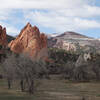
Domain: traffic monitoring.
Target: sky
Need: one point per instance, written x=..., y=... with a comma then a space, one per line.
x=52, y=16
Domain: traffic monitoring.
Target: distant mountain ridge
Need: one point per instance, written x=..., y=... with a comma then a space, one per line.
x=73, y=41
x=72, y=35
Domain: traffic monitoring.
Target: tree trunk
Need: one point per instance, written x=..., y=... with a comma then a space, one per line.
x=9, y=84
x=31, y=87
x=22, y=85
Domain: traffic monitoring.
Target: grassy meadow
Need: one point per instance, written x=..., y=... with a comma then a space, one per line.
x=54, y=89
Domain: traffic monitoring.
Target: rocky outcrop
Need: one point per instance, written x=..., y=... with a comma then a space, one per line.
x=30, y=42
x=3, y=36
x=61, y=44
x=68, y=46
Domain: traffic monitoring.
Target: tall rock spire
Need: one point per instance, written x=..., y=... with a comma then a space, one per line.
x=29, y=41
x=3, y=36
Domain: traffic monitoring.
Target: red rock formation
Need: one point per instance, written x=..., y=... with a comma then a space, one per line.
x=3, y=36
x=31, y=42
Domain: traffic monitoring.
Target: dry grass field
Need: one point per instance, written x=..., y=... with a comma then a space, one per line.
x=54, y=89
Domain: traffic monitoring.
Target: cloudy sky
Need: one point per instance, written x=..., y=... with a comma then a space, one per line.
x=52, y=16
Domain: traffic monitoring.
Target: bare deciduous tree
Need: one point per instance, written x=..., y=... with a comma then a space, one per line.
x=21, y=67
x=9, y=66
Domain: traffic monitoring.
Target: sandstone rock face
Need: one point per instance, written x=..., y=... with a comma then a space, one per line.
x=3, y=36
x=30, y=42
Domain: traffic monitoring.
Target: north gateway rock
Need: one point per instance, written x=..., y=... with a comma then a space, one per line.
x=30, y=42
